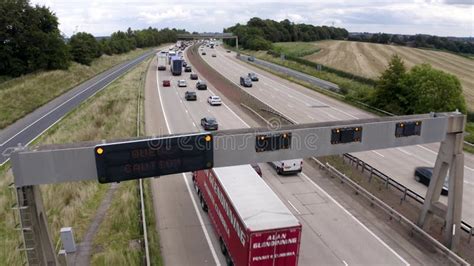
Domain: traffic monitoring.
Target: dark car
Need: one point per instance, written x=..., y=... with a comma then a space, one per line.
x=166, y=83
x=228, y=51
x=253, y=76
x=245, y=81
x=257, y=169
x=201, y=85
x=193, y=76
x=161, y=68
x=190, y=96
x=187, y=69
x=203, y=53
x=251, y=58
x=424, y=174
x=209, y=123
x=185, y=64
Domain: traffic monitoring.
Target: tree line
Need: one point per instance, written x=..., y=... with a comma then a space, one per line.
x=259, y=34
x=419, y=40
x=422, y=89
x=31, y=40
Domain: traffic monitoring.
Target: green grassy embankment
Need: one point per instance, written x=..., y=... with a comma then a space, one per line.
x=298, y=49
x=110, y=114
x=21, y=96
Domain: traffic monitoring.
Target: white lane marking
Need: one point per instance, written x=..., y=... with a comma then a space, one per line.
x=293, y=207
x=289, y=105
x=228, y=108
x=201, y=221
x=435, y=153
x=355, y=219
x=379, y=154
x=194, y=124
x=424, y=148
x=74, y=96
x=310, y=117
x=346, y=113
x=186, y=110
x=345, y=263
x=404, y=151
x=161, y=102
x=204, y=229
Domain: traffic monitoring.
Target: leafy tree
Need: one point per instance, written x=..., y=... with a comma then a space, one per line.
x=420, y=90
x=30, y=39
x=256, y=29
x=433, y=90
x=390, y=93
x=258, y=43
x=84, y=48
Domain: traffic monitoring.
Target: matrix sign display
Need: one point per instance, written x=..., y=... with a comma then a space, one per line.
x=153, y=157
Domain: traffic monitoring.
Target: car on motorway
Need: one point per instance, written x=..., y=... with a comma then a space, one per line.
x=214, y=100
x=193, y=76
x=228, y=51
x=190, y=96
x=187, y=69
x=201, y=85
x=161, y=67
x=182, y=83
x=185, y=63
x=424, y=174
x=203, y=53
x=166, y=83
x=209, y=123
x=252, y=76
x=213, y=55
x=257, y=169
x=251, y=58
x=245, y=81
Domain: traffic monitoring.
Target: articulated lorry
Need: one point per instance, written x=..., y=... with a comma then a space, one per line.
x=253, y=225
x=176, y=65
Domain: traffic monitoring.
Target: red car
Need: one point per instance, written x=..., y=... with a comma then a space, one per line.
x=166, y=83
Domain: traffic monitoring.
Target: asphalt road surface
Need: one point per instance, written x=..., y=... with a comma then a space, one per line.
x=27, y=129
x=303, y=106
x=331, y=235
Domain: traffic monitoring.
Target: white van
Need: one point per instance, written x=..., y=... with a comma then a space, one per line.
x=288, y=166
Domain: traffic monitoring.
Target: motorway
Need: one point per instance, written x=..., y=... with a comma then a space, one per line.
x=302, y=105
x=28, y=128
x=331, y=234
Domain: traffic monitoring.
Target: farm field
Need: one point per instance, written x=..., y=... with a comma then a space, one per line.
x=369, y=59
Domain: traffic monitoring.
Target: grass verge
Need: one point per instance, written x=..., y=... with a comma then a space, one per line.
x=297, y=49
x=110, y=114
x=20, y=96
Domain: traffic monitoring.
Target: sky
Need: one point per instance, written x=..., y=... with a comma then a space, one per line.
x=102, y=17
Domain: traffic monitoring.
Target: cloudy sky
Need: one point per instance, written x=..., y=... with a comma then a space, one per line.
x=102, y=17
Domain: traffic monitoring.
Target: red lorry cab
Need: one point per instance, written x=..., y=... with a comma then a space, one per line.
x=253, y=225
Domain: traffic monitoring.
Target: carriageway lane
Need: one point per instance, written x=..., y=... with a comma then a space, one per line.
x=398, y=163
x=327, y=227
x=181, y=226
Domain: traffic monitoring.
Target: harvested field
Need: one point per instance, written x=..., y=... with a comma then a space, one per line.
x=369, y=59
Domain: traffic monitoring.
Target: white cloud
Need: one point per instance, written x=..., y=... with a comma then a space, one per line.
x=101, y=17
